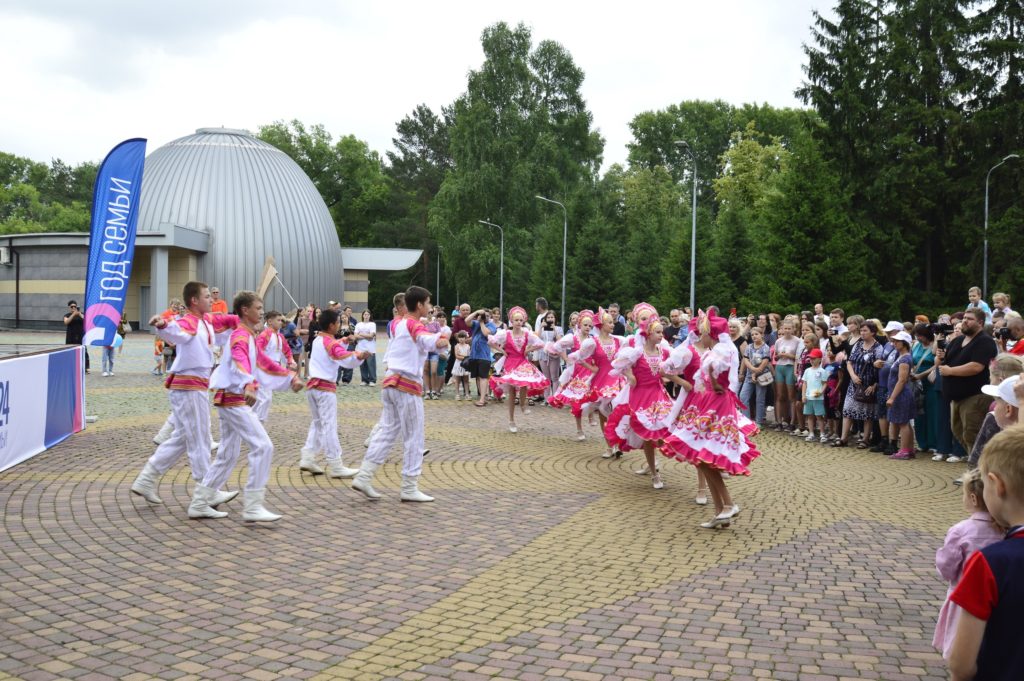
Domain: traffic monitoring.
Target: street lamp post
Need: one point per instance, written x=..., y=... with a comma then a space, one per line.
x=984, y=266
x=693, y=231
x=565, y=241
x=501, y=266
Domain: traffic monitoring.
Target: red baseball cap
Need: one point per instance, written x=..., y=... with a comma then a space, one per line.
x=815, y=354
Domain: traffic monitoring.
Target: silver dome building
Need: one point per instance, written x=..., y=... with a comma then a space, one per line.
x=246, y=200
x=215, y=205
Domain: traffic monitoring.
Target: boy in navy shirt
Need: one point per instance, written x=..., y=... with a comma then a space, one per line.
x=989, y=643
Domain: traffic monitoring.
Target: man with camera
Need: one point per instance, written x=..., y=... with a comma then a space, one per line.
x=480, y=356
x=1013, y=332
x=74, y=329
x=964, y=368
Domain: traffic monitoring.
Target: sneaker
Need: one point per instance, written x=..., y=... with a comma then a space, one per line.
x=512, y=427
x=373, y=383
x=810, y=438
x=458, y=397
x=939, y=457
x=580, y=437
x=902, y=455
x=105, y=373
x=824, y=439
x=954, y=459
x=155, y=372
x=110, y=373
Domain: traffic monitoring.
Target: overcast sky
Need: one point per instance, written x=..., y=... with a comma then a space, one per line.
x=82, y=76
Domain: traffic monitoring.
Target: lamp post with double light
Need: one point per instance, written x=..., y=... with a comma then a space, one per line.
x=565, y=241
x=501, y=266
x=984, y=266
x=681, y=144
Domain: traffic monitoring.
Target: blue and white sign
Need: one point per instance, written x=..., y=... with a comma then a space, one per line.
x=42, y=402
x=115, y=216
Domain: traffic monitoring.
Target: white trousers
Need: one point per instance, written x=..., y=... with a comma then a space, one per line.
x=323, y=428
x=190, y=410
x=402, y=416
x=238, y=424
x=173, y=423
x=264, y=398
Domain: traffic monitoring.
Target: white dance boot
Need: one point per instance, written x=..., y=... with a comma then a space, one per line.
x=336, y=469
x=145, y=485
x=254, y=511
x=200, y=506
x=164, y=434
x=220, y=497
x=411, y=490
x=307, y=462
x=363, y=481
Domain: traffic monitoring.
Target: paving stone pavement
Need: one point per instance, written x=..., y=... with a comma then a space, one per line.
x=539, y=559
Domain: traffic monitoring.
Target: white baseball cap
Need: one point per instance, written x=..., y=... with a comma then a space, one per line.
x=904, y=336
x=893, y=326
x=1004, y=391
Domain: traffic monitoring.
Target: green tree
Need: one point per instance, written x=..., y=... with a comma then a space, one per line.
x=35, y=197
x=347, y=173
x=812, y=249
x=521, y=129
x=844, y=78
x=750, y=169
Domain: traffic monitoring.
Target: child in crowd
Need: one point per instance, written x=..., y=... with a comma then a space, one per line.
x=430, y=365
x=326, y=357
x=1003, y=412
x=814, y=378
x=108, y=358
x=989, y=641
x=786, y=350
x=458, y=370
x=366, y=341
x=442, y=354
x=834, y=396
x=962, y=540
x=271, y=342
x=1001, y=302
x=158, y=357
x=974, y=300
x=810, y=341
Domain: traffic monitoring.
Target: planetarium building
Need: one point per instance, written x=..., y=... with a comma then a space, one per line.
x=215, y=206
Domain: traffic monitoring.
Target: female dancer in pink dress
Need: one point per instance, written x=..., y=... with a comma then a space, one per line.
x=710, y=431
x=641, y=313
x=518, y=371
x=605, y=385
x=640, y=423
x=575, y=380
